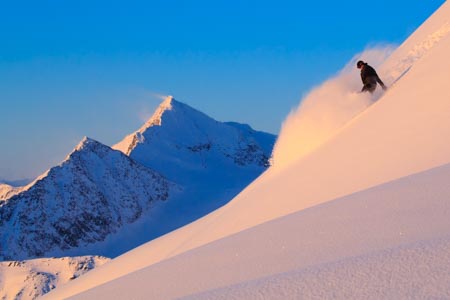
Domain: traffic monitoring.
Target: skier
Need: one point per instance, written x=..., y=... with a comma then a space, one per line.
x=369, y=77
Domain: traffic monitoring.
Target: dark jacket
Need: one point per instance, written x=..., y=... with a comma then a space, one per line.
x=370, y=78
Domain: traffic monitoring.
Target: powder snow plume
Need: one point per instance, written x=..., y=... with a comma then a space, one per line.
x=326, y=109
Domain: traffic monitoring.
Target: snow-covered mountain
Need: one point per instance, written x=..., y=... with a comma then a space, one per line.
x=186, y=145
x=365, y=214
x=81, y=207
x=20, y=280
x=93, y=193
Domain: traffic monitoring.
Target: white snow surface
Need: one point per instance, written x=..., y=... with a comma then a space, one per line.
x=360, y=228
x=369, y=204
x=418, y=271
x=30, y=279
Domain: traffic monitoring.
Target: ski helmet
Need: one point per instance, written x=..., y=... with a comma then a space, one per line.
x=359, y=64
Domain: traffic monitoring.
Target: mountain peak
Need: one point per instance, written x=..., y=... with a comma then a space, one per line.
x=88, y=145
x=166, y=105
x=86, y=142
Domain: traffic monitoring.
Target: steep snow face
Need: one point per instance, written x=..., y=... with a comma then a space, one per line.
x=186, y=145
x=326, y=109
x=329, y=107
x=22, y=280
x=403, y=133
x=93, y=193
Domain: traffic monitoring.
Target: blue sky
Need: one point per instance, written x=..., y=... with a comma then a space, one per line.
x=75, y=68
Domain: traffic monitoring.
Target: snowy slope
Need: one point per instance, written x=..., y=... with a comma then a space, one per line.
x=397, y=216
x=92, y=194
x=30, y=279
x=403, y=133
x=417, y=271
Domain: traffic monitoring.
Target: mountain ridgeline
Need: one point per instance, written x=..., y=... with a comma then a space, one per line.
x=181, y=164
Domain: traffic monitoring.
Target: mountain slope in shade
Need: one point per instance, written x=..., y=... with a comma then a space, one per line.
x=21, y=280
x=403, y=133
x=92, y=194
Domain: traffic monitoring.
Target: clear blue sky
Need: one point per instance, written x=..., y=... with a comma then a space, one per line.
x=75, y=68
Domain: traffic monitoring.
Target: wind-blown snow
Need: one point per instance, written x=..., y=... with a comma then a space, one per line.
x=330, y=106
x=326, y=109
x=286, y=220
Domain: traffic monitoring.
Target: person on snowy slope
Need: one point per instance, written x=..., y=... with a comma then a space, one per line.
x=369, y=77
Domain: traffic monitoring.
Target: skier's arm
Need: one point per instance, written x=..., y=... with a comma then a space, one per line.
x=381, y=83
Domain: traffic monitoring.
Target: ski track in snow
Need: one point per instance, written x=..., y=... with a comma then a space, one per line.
x=418, y=51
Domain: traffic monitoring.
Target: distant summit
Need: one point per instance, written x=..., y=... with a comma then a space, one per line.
x=179, y=140
x=157, y=115
x=91, y=194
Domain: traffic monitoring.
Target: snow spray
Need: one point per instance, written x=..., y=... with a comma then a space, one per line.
x=326, y=109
